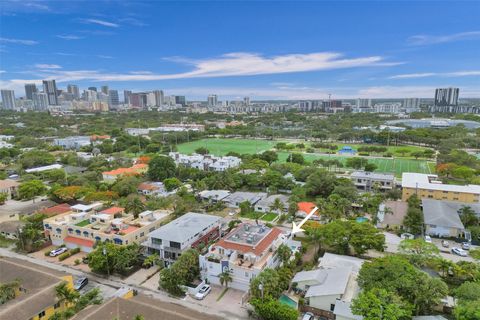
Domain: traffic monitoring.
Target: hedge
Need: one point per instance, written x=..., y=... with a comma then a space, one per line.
x=68, y=254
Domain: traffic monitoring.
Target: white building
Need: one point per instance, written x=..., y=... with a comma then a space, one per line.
x=205, y=162
x=235, y=199
x=74, y=142
x=264, y=205
x=387, y=107
x=367, y=181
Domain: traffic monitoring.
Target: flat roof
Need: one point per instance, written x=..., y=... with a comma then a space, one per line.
x=249, y=234
x=84, y=207
x=184, y=227
x=44, y=168
x=423, y=181
x=373, y=175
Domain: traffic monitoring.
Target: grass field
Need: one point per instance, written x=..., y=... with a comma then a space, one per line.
x=397, y=165
x=222, y=146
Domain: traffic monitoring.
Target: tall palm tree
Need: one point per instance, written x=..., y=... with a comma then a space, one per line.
x=8, y=291
x=277, y=206
x=135, y=206
x=66, y=294
x=225, y=278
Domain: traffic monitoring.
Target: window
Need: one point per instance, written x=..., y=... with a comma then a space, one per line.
x=246, y=274
x=175, y=245
x=332, y=307
x=156, y=241
x=41, y=314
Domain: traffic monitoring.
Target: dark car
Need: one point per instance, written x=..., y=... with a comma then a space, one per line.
x=80, y=283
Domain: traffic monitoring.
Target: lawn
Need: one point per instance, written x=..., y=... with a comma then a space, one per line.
x=269, y=216
x=396, y=165
x=5, y=243
x=83, y=223
x=223, y=146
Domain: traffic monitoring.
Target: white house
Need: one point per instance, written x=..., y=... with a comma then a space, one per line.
x=265, y=204
x=235, y=199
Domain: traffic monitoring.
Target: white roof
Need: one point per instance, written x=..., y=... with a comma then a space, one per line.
x=214, y=194
x=372, y=175
x=422, y=181
x=343, y=309
x=83, y=207
x=443, y=213
x=334, y=282
x=44, y=168
x=330, y=260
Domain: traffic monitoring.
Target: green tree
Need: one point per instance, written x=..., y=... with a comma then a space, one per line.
x=8, y=291
x=3, y=198
x=467, y=310
x=413, y=221
x=277, y=206
x=320, y=183
x=269, y=156
x=30, y=236
x=135, y=206
x=31, y=189
x=202, y=150
x=66, y=294
x=268, y=282
x=270, y=309
x=468, y=291
x=172, y=183
x=370, y=167
x=126, y=185
x=182, y=272
x=379, y=304
x=284, y=253
x=418, y=251
x=468, y=216
x=296, y=158
x=161, y=168
x=225, y=277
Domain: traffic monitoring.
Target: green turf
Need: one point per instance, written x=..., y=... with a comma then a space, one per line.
x=222, y=146
x=397, y=165
x=83, y=223
x=269, y=216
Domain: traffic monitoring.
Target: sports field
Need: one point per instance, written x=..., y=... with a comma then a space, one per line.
x=397, y=165
x=222, y=146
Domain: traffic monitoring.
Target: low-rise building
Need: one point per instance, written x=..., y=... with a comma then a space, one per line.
x=135, y=170
x=304, y=208
x=155, y=189
x=205, y=162
x=213, y=196
x=235, y=199
x=368, y=181
x=9, y=187
x=84, y=225
x=391, y=214
x=244, y=253
x=266, y=204
x=44, y=168
x=442, y=218
x=428, y=186
x=10, y=229
x=183, y=233
x=35, y=297
x=74, y=143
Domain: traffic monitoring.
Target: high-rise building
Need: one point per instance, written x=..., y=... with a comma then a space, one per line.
x=92, y=89
x=126, y=96
x=89, y=95
x=104, y=89
x=212, y=100
x=364, y=103
x=138, y=100
x=113, y=99
x=246, y=101
x=446, y=97
x=74, y=91
x=411, y=105
x=30, y=89
x=50, y=88
x=332, y=106
x=40, y=101
x=159, y=98
x=180, y=100
x=8, y=99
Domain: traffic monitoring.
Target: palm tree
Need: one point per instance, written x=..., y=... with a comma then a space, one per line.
x=8, y=291
x=66, y=294
x=277, y=206
x=444, y=265
x=225, y=278
x=135, y=206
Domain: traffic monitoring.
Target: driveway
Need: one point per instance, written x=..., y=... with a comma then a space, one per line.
x=229, y=304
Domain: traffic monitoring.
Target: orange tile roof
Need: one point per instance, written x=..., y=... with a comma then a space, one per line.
x=147, y=186
x=306, y=207
x=132, y=170
x=113, y=210
x=139, y=166
x=99, y=137
x=129, y=229
x=58, y=209
x=79, y=241
x=245, y=248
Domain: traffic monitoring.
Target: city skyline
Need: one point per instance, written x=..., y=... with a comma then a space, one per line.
x=287, y=51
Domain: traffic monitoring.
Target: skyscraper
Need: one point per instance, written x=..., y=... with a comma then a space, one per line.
x=40, y=101
x=30, y=89
x=50, y=88
x=411, y=105
x=73, y=89
x=159, y=98
x=8, y=99
x=126, y=96
x=92, y=89
x=104, y=89
x=212, y=100
x=246, y=101
x=446, y=97
x=180, y=100
x=113, y=99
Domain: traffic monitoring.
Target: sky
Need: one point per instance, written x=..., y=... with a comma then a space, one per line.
x=262, y=49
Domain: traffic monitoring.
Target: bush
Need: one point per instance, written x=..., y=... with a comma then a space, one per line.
x=77, y=262
x=47, y=253
x=64, y=256
x=74, y=251
x=363, y=154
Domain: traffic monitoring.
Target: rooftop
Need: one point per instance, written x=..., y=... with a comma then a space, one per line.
x=186, y=226
x=112, y=210
x=444, y=213
x=372, y=175
x=430, y=181
x=7, y=183
x=58, y=209
x=328, y=281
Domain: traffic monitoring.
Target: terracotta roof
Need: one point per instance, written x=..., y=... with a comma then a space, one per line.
x=58, y=209
x=147, y=186
x=130, y=229
x=8, y=184
x=113, y=210
x=132, y=170
x=306, y=207
x=99, y=137
x=139, y=166
x=245, y=248
x=79, y=241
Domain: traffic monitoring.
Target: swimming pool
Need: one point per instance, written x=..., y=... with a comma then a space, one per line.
x=361, y=219
x=288, y=301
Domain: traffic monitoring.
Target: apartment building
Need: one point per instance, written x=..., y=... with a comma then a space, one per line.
x=189, y=231
x=205, y=162
x=84, y=225
x=367, y=181
x=428, y=186
x=244, y=253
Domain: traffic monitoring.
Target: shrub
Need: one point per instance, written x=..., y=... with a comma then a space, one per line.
x=74, y=251
x=77, y=262
x=47, y=253
x=363, y=154
x=64, y=256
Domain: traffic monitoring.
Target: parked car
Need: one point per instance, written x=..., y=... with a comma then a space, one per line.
x=308, y=316
x=445, y=244
x=428, y=239
x=459, y=252
x=203, y=292
x=407, y=236
x=466, y=246
x=58, y=251
x=80, y=283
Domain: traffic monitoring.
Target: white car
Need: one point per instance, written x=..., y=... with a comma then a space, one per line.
x=466, y=246
x=202, y=293
x=459, y=252
x=407, y=236
x=308, y=316
x=57, y=252
x=428, y=239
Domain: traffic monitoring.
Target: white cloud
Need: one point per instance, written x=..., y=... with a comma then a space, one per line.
x=47, y=66
x=101, y=23
x=467, y=73
x=423, y=39
x=68, y=37
x=104, y=56
x=19, y=41
x=2, y=71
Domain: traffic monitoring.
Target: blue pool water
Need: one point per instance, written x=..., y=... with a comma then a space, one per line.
x=288, y=301
x=361, y=219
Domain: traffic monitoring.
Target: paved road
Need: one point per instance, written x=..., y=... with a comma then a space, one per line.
x=111, y=285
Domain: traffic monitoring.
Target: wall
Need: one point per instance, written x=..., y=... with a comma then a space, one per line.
x=440, y=195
